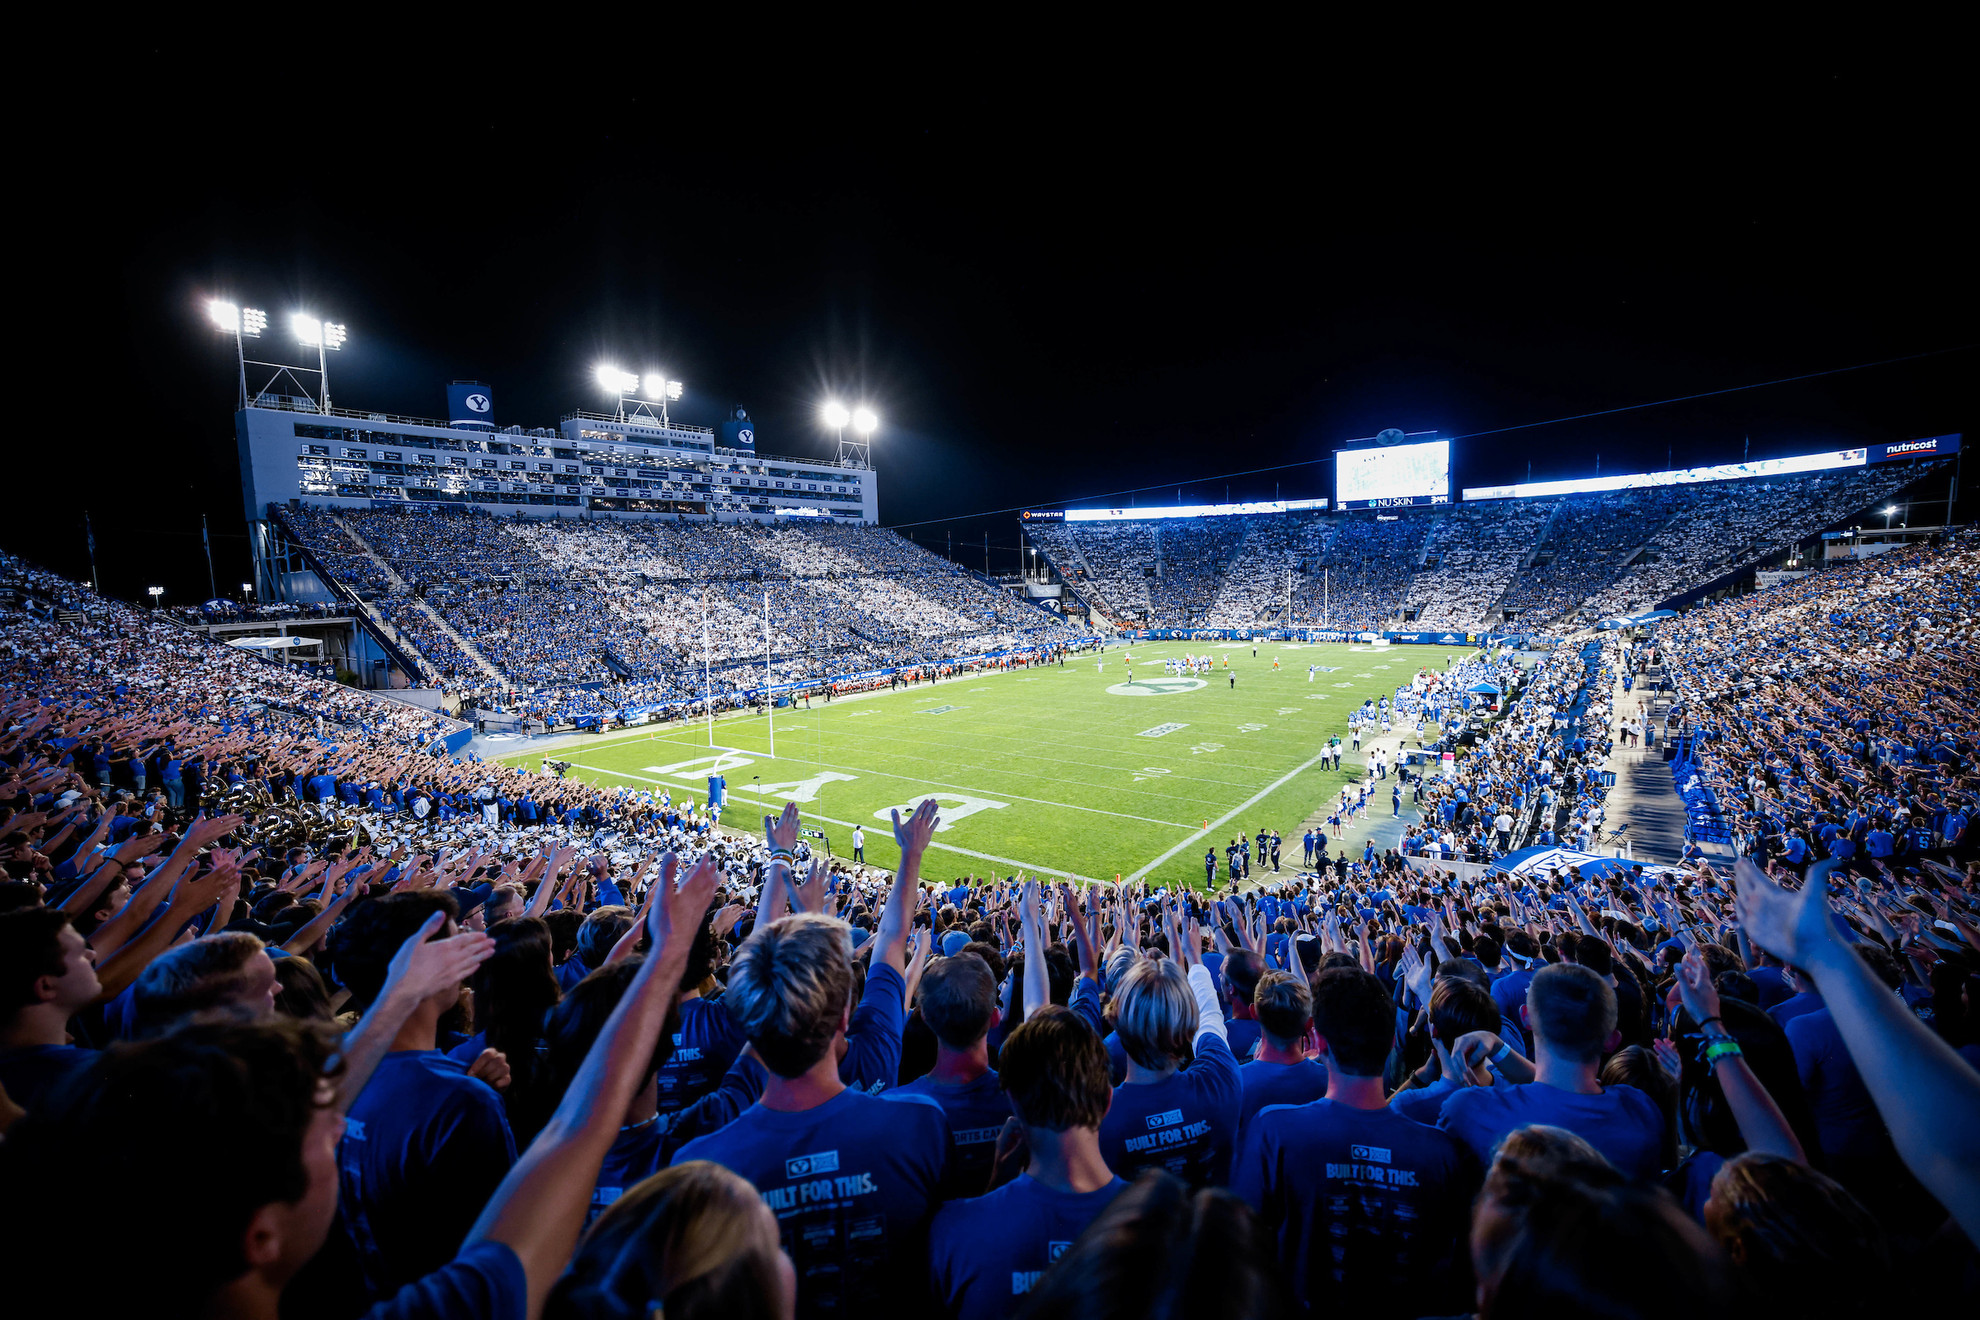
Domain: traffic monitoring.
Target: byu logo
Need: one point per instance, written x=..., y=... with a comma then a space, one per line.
x=803, y=1166
x=476, y=402
x=745, y=436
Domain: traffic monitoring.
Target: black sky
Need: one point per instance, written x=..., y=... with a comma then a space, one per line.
x=1165, y=278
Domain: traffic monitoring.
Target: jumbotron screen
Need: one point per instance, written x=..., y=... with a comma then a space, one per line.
x=1386, y=478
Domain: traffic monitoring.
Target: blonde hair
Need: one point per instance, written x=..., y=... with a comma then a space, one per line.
x=694, y=1239
x=1157, y=1018
x=789, y=987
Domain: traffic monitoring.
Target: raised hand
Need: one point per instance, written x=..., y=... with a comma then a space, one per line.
x=782, y=831
x=1695, y=989
x=1794, y=926
x=492, y=1067
x=913, y=834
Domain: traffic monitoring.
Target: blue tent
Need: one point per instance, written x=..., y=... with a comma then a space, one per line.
x=1483, y=687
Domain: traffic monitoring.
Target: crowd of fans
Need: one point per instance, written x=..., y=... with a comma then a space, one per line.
x=328, y=1024
x=1536, y=564
x=558, y=619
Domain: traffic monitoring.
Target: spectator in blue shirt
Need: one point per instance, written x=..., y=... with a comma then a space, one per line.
x=985, y=1254
x=1571, y=1013
x=1286, y=1071
x=958, y=1000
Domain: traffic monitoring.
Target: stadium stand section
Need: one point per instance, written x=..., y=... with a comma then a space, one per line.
x=1532, y=564
x=544, y=608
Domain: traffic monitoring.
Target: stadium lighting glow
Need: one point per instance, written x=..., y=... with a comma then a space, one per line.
x=836, y=416
x=247, y=321
x=308, y=329
x=333, y=335
x=656, y=384
x=1146, y=512
x=618, y=382
x=864, y=421
x=673, y=389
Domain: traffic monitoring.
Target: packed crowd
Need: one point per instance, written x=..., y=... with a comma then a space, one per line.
x=563, y=609
x=1835, y=715
x=339, y=1026
x=1543, y=562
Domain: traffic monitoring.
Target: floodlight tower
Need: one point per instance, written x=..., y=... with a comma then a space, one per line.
x=852, y=453
x=624, y=386
x=245, y=323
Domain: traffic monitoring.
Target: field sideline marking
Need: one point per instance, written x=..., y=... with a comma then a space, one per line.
x=1231, y=815
x=830, y=820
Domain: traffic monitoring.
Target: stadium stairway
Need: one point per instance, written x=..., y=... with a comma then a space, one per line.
x=1644, y=795
x=399, y=587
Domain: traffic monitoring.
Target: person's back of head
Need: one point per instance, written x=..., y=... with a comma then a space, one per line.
x=505, y=903
x=1061, y=971
x=564, y=924
x=1459, y=1006
x=1595, y=954
x=603, y=929
x=1799, y=1238
x=301, y=991
x=790, y=990
x=225, y=971
x=1162, y=1252
x=369, y=937
x=1355, y=1016
x=1284, y=1008
x=1622, y=1251
x=1241, y=971
x=1158, y=1015
x=1055, y=1071
x=693, y=1242
x=990, y=956
x=201, y=1131
x=1572, y=1011
x=958, y=1000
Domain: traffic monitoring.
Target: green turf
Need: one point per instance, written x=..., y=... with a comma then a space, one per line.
x=1043, y=770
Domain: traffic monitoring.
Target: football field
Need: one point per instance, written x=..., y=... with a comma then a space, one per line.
x=1054, y=771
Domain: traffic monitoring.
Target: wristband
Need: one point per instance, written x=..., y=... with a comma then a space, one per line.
x=1726, y=1048
x=1502, y=1053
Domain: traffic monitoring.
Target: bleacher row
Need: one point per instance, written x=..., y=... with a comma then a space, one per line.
x=1536, y=563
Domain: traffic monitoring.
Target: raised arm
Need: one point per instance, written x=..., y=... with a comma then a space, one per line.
x=1760, y=1120
x=540, y=1207
x=1925, y=1092
x=890, y=941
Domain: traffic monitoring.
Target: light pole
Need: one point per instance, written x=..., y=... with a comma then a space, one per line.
x=863, y=420
x=623, y=385
x=326, y=337
x=155, y=593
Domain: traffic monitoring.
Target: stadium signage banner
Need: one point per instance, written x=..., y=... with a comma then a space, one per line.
x=1042, y=515
x=470, y=404
x=1433, y=638
x=1235, y=635
x=1930, y=447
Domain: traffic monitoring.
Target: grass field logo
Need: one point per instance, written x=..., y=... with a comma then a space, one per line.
x=938, y=710
x=1156, y=687
x=1160, y=729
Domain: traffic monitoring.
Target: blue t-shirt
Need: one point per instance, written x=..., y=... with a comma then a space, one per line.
x=707, y=1043
x=634, y=1157
x=976, y=1112
x=1368, y=1209
x=873, y=1037
x=1622, y=1123
x=1186, y=1123
x=1242, y=1035
x=424, y=1147
x=484, y=1282
x=853, y=1183
x=1279, y=1084
x=30, y=1074
x=987, y=1252
x=1845, y=1116
x=1808, y=1001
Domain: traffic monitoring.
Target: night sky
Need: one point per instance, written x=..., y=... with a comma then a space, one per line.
x=1043, y=300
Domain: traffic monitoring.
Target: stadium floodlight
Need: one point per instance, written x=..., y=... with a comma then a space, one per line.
x=673, y=390
x=618, y=382
x=835, y=415
x=864, y=421
x=253, y=322
x=225, y=316
x=333, y=335
x=308, y=329
x=156, y=592
x=656, y=384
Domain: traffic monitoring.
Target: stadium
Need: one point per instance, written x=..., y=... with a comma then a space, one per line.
x=1148, y=808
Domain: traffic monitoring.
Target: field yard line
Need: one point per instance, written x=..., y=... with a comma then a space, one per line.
x=875, y=735
x=1230, y=815
x=960, y=788
x=832, y=820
